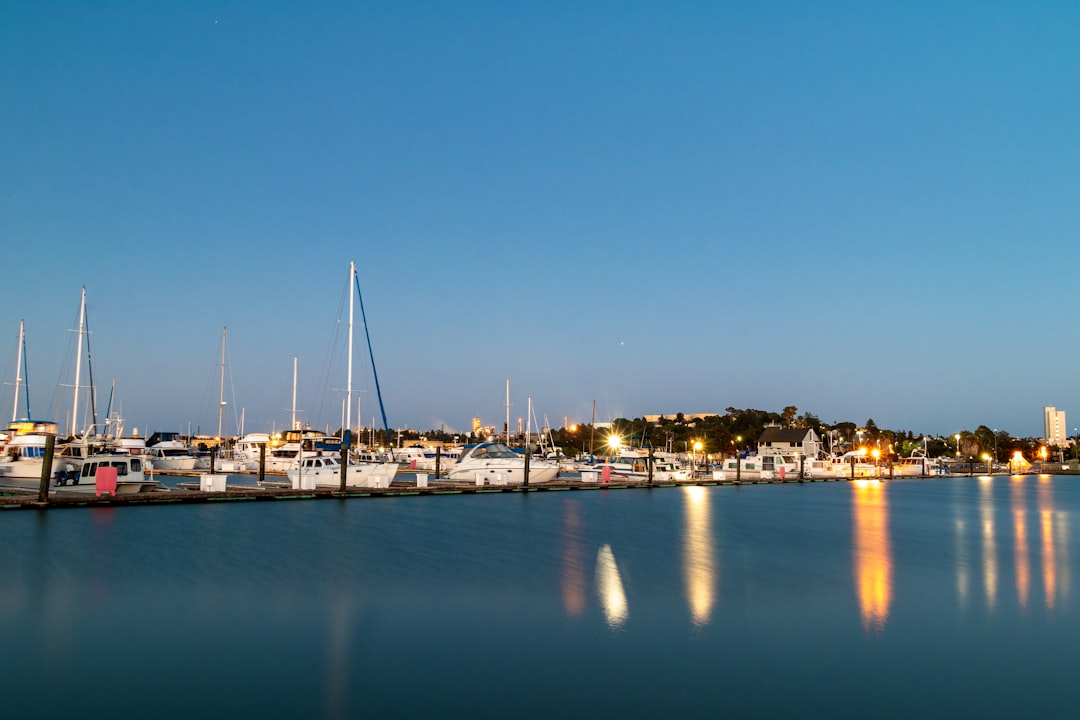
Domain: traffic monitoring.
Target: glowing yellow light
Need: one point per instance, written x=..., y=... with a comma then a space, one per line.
x=876, y=453
x=614, y=442
x=573, y=428
x=697, y=446
x=862, y=451
x=986, y=457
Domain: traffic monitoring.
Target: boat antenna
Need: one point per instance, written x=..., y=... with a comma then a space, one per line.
x=371, y=354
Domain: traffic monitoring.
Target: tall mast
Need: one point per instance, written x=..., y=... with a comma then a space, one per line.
x=221, y=390
x=18, y=373
x=528, y=421
x=348, y=386
x=293, y=426
x=508, y=411
x=78, y=362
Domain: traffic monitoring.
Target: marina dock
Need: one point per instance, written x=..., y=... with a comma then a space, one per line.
x=188, y=493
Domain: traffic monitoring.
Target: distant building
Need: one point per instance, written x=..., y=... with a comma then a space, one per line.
x=686, y=416
x=1054, y=426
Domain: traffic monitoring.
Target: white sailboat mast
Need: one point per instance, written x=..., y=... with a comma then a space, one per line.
x=528, y=422
x=293, y=425
x=508, y=411
x=348, y=386
x=78, y=361
x=221, y=387
x=18, y=371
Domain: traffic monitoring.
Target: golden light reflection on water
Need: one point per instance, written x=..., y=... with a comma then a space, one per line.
x=873, y=553
x=989, y=545
x=573, y=561
x=610, y=589
x=962, y=579
x=1020, y=541
x=699, y=559
x=1048, y=542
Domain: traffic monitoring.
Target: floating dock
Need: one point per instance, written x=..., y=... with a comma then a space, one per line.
x=189, y=493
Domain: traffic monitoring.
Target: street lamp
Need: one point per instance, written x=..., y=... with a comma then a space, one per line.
x=986, y=457
x=957, y=436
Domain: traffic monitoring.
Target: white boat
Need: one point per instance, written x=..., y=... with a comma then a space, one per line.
x=917, y=465
x=165, y=451
x=325, y=471
x=634, y=465
x=24, y=456
x=850, y=464
x=130, y=472
x=493, y=463
x=766, y=466
x=287, y=448
x=244, y=456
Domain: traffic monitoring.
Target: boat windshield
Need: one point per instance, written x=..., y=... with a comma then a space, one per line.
x=494, y=451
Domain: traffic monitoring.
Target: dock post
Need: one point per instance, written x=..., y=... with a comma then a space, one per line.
x=528, y=451
x=46, y=468
x=738, y=467
x=438, y=456
x=802, y=468
x=213, y=456
x=344, y=460
x=262, y=463
x=650, y=465
x=852, y=467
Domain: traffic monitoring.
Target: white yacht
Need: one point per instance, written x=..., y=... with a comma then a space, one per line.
x=325, y=471
x=130, y=475
x=634, y=465
x=169, y=453
x=493, y=463
x=767, y=466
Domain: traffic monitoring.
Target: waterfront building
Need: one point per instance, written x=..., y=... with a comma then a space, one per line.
x=1054, y=426
x=789, y=441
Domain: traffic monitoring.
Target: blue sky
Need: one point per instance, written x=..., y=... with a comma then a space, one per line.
x=866, y=210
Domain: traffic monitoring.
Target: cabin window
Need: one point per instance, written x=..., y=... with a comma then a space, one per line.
x=136, y=466
x=88, y=469
x=121, y=468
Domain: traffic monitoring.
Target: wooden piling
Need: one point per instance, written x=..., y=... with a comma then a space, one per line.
x=528, y=452
x=262, y=463
x=650, y=465
x=46, y=468
x=344, y=460
x=438, y=456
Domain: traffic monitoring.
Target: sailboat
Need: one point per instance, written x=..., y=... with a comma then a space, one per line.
x=327, y=470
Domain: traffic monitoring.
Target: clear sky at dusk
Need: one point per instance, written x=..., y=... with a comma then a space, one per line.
x=864, y=209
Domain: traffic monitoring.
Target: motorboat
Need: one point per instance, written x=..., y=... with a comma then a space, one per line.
x=287, y=449
x=764, y=466
x=244, y=456
x=494, y=463
x=325, y=471
x=131, y=475
x=918, y=465
x=24, y=455
x=634, y=465
x=165, y=451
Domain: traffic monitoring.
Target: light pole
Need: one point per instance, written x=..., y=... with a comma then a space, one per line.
x=957, y=436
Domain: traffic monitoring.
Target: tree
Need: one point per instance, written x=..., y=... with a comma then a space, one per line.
x=789, y=414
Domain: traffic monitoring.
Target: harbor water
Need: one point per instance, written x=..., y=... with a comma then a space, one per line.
x=950, y=597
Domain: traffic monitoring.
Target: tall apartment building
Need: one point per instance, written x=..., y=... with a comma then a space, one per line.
x=1054, y=426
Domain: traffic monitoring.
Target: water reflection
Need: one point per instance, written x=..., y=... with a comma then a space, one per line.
x=573, y=562
x=989, y=544
x=610, y=589
x=962, y=579
x=873, y=553
x=1020, y=540
x=699, y=563
x=1053, y=532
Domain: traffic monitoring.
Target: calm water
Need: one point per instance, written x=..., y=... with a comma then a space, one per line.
x=933, y=598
